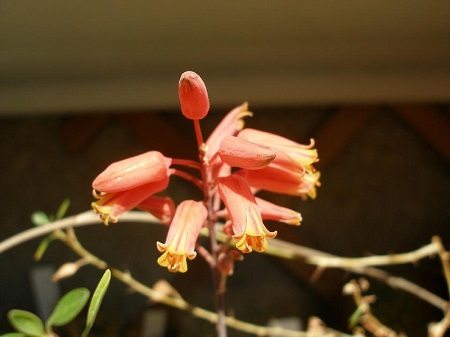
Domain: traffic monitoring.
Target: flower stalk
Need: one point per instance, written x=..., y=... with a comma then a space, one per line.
x=233, y=164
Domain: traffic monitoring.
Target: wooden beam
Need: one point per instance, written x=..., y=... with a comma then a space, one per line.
x=76, y=132
x=430, y=123
x=339, y=130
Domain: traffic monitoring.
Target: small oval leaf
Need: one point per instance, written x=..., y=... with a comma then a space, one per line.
x=14, y=334
x=96, y=301
x=26, y=322
x=68, y=307
x=40, y=218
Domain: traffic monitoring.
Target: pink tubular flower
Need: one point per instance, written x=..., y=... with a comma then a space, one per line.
x=161, y=207
x=129, y=182
x=193, y=96
x=189, y=218
x=132, y=172
x=112, y=205
x=241, y=153
x=230, y=125
x=304, y=155
x=282, y=182
x=270, y=211
x=248, y=228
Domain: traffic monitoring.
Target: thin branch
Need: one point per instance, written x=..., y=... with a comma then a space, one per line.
x=376, y=260
x=178, y=302
x=83, y=219
x=277, y=248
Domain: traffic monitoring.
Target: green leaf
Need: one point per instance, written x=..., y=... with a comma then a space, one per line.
x=42, y=248
x=354, y=318
x=14, y=334
x=26, y=322
x=39, y=218
x=68, y=307
x=96, y=301
x=62, y=209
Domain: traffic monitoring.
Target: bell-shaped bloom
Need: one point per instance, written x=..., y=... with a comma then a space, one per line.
x=193, y=96
x=238, y=152
x=248, y=228
x=132, y=172
x=304, y=155
x=230, y=125
x=283, y=182
x=127, y=183
x=189, y=218
x=112, y=205
x=161, y=207
x=271, y=211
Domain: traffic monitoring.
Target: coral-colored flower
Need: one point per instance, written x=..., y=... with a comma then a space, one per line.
x=193, y=96
x=189, y=218
x=132, y=172
x=283, y=182
x=127, y=183
x=291, y=172
x=248, y=228
x=231, y=124
x=304, y=155
x=270, y=211
x=112, y=205
x=238, y=152
x=161, y=207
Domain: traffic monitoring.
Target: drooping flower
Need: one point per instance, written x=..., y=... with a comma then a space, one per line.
x=291, y=172
x=241, y=153
x=161, y=207
x=230, y=125
x=304, y=155
x=112, y=205
x=125, y=184
x=248, y=228
x=271, y=211
x=278, y=181
x=189, y=218
x=193, y=96
x=132, y=172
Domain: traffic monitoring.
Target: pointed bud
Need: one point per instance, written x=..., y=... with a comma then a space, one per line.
x=241, y=153
x=193, y=96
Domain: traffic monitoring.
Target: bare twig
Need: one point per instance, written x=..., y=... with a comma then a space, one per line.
x=177, y=301
x=277, y=248
x=376, y=260
x=366, y=317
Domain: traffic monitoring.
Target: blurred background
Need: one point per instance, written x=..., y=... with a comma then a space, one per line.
x=83, y=84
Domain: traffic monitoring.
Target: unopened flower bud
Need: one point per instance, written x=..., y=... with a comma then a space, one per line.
x=193, y=96
x=241, y=153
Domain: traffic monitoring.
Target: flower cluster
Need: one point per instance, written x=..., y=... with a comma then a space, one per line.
x=234, y=164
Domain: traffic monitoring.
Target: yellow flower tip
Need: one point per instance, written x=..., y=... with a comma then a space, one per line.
x=295, y=221
x=104, y=213
x=173, y=262
x=247, y=243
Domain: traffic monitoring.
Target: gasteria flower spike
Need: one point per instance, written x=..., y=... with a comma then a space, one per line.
x=234, y=163
x=193, y=96
x=189, y=218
